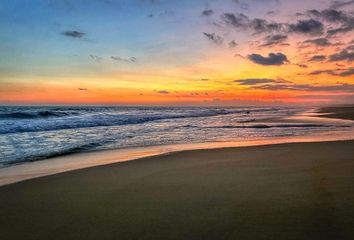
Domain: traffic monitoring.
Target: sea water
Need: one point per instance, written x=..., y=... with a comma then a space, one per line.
x=36, y=133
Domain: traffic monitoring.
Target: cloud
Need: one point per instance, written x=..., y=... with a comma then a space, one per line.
x=207, y=12
x=281, y=84
x=336, y=21
x=274, y=39
x=162, y=91
x=272, y=59
x=73, y=34
x=240, y=56
x=347, y=73
x=214, y=38
x=342, y=56
x=82, y=89
x=261, y=25
x=241, y=21
x=272, y=13
x=329, y=15
x=339, y=22
x=335, y=72
x=95, y=58
x=344, y=87
x=302, y=65
x=350, y=47
x=332, y=15
x=164, y=13
x=345, y=20
x=317, y=58
x=243, y=5
x=128, y=60
x=309, y=26
x=322, y=42
x=339, y=4
x=317, y=72
x=232, y=44
x=343, y=29
x=256, y=81
x=238, y=21
x=298, y=14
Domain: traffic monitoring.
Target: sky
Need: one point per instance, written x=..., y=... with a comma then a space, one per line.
x=169, y=52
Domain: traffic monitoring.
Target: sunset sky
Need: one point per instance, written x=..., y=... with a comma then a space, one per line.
x=165, y=52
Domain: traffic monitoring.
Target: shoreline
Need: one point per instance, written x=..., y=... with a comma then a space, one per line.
x=71, y=162
x=346, y=113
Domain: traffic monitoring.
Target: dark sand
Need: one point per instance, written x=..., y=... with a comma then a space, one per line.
x=338, y=112
x=286, y=191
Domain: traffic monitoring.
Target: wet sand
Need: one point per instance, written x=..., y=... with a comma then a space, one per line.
x=346, y=112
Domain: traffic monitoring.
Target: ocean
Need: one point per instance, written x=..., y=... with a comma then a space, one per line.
x=32, y=133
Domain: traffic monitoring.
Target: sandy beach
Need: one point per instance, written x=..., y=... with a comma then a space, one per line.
x=279, y=191
x=286, y=191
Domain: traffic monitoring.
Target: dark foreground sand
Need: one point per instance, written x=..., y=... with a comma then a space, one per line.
x=287, y=191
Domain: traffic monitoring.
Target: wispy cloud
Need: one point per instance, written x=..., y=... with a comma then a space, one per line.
x=127, y=60
x=232, y=44
x=214, y=38
x=73, y=34
x=306, y=87
x=257, y=25
x=335, y=72
x=317, y=58
x=95, y=58
x=349, y=72
x=343, y=55
x=162, y=91
x=271, y=40
x=256, y=81
x=321, y=42
x=339, y=4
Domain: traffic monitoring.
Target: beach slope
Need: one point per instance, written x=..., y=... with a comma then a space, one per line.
x=284, y=191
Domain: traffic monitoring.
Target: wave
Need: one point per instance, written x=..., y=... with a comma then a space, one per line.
x=61, y=152
x=269, y=126
x=28, y=122
x=37, y=114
